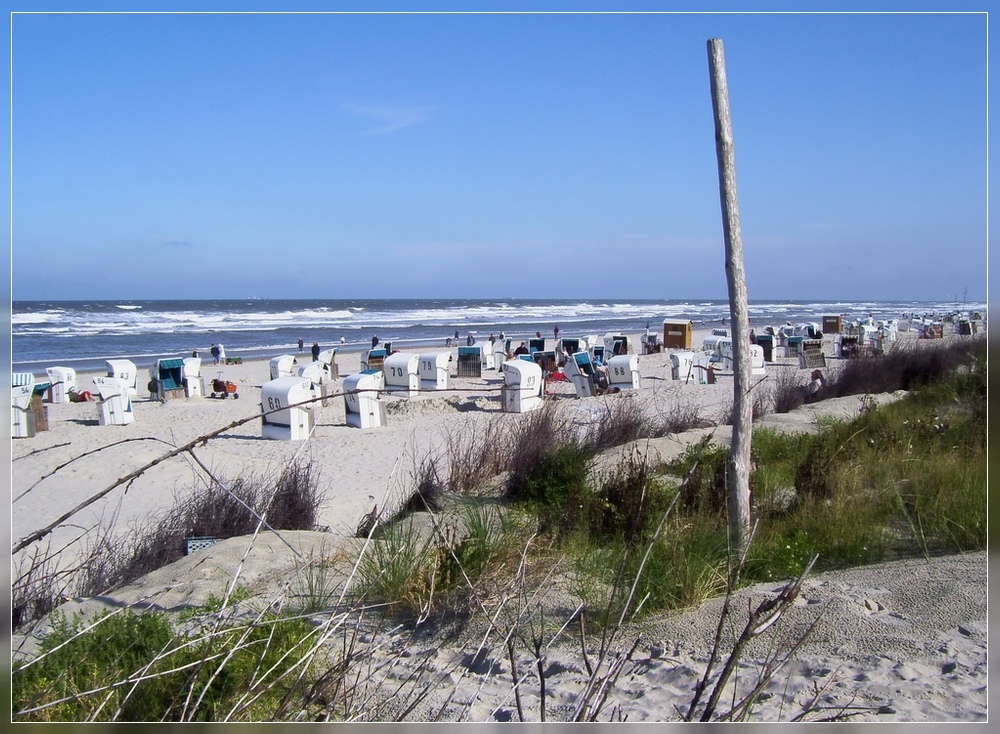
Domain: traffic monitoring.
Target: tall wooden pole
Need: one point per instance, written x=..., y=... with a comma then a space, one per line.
x=738, y=467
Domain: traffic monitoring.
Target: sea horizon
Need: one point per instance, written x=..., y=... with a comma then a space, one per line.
x=84, y=333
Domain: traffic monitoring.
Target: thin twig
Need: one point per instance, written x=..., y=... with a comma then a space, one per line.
x=515, y=679
x=766, y=614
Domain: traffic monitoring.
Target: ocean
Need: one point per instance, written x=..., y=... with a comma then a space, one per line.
x=83, y=334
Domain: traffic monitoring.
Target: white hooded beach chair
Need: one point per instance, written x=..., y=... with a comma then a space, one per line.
x=125, y=370
x=362, y=406
x=725, y=348
x=808, y=330
x=402, y=377
x=321, y=374
x=702, y=368
x=62, y=379
x=22, y=386
x=194, y=385
x=690, y=367
x=623, y=372
x=615, y=344
x=489, y=357
x=711, y=342
x=283, y=366
x=522, y=388
x=680, y=365
x=723, y=352
x=501, y=348
x=433, y=370
x=114, y=408
x=329, y=356
x=283, y=418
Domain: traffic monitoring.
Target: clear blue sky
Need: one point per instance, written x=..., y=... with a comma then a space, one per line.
x=466, y=155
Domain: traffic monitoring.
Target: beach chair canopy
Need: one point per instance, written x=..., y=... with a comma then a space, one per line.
x=22, y=379
x=582, y=360
x=123, y=369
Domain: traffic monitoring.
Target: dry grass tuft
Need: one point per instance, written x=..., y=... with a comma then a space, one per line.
x=219, y=509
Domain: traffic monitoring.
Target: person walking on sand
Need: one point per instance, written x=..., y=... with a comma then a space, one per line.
x=215, y=354
x=555, y=332
x=300, y=345
x=222, y=354
x=374, y=340
x=315, y=351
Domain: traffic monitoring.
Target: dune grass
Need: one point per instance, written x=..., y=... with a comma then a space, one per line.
x=898, y=480
x=136, y=667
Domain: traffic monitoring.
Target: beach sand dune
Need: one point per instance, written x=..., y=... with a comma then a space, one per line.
x=905, y=640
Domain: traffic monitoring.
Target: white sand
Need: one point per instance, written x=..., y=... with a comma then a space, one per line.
x=909, y=636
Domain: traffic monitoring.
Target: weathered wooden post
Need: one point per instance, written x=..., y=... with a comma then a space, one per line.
x=738, y=468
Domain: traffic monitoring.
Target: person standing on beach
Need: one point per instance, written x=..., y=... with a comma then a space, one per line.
x=300, y=345
x=215, y=354
x=315, y=351
x=374, y=340
x=222, y=354
x=555, y=332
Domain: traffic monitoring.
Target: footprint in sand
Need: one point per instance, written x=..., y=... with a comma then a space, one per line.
x=873, y=606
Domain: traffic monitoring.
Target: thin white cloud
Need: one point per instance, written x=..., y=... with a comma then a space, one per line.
x=389, y=118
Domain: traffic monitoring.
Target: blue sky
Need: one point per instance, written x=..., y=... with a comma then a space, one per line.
x=494, y=155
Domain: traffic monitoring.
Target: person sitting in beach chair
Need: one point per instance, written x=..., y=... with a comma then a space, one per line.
x=816, y=387
x=601, y=379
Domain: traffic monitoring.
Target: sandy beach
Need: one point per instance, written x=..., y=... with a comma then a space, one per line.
x=904, y=641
